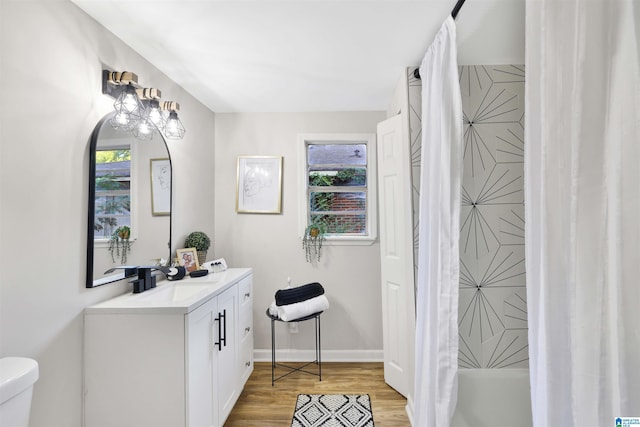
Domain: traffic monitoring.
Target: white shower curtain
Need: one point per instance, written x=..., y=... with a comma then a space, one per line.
x=438, y=256
x=582, y=198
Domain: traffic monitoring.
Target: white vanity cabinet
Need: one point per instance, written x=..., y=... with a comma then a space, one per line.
x=174, y=356
x=245, y=329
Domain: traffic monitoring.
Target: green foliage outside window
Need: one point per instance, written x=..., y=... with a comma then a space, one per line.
x=110, y=156
x=112, y=198
x=349, y=176
x=109, y=205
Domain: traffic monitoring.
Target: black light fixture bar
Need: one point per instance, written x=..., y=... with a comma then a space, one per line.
x=114, y=81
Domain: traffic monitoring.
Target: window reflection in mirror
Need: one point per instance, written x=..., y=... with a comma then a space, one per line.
x=120, y=194
x=113, y=191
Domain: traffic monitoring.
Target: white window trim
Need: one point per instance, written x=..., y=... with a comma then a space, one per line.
x=372, y=178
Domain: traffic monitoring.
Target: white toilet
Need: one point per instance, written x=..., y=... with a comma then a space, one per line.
x=17, y=376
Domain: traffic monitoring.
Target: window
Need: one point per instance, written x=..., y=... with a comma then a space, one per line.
x=113, y=191
x=339, y=190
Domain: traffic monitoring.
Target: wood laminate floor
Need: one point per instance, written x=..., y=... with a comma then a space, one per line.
x=261, y=405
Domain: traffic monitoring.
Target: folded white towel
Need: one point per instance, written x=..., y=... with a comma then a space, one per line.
x=300, y=309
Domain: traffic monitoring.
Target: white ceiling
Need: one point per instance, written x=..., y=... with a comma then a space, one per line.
x=303, y=55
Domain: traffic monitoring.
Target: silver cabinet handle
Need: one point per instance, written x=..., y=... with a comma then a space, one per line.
x=247, y=329
x=248, y=364
x=247, y=295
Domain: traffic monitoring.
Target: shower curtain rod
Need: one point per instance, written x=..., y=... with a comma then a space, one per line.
x=454, y=13
x=457, y=8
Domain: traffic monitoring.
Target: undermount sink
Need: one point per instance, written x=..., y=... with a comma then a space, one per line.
x=174, y=292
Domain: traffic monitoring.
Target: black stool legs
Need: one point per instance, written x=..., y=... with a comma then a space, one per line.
x=293, y=369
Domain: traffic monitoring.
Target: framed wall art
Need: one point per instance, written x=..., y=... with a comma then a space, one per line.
x=160, y=187
x=259, y=184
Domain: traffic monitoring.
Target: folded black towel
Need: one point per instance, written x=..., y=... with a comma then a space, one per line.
x=299, y=293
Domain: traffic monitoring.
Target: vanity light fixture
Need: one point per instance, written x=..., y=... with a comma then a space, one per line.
x=129, y=104
x=153, y=113
x=139, y=110
x=144, y=129
x=128, y=109
x=120, y=86
x=151, y=119
x=174, y=129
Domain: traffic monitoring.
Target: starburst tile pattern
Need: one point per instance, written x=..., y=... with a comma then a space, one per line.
x=503, y=268
x=512, y=226
x=415, y=135
x=478, y=319
x=508, y=349
x=492, y=313
x=492, y=110
x=515, y=310
x=510, y=143
x=486, y=198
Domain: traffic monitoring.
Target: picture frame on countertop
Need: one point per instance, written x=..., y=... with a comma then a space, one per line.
x=188, y=258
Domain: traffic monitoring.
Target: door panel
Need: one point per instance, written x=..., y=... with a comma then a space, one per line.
x=396, y=252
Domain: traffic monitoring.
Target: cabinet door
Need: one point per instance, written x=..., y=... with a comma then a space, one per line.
x=201, y=392
x=227, y=354
x=134, y=370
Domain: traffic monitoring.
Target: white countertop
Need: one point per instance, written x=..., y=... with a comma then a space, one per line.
x=181, y=296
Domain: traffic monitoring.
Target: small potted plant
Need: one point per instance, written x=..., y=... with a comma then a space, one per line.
x=119, y=244
x=200, y=241
x=314, y=236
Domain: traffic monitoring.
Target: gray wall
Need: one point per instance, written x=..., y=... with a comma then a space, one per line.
x=270, y=243
x=52, y=55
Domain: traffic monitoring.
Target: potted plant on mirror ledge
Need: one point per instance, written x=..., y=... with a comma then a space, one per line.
x=201, y=242
x=119, y=244
x=314, y=236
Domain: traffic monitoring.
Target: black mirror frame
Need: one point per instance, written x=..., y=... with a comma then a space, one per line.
x=91, y=205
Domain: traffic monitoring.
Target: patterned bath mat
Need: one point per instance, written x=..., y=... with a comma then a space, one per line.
x=333, y=410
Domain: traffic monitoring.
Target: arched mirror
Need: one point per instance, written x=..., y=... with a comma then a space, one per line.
x=129, y=196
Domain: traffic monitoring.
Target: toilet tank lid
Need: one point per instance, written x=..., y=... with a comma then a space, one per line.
x=16, y=375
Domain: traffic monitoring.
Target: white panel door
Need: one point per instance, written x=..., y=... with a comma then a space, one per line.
x=396, y=253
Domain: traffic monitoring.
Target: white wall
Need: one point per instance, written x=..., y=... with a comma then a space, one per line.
x=490, y=32
x=270, y=243
x=52, y=55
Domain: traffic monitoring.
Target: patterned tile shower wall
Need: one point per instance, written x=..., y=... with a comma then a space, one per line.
x=492, y=315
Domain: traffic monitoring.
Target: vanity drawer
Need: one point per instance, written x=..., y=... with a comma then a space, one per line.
x=245, y=292
x=245, y=328
x=246, y=356
x=245, y=322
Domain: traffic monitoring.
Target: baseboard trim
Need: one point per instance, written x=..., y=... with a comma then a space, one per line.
x=409, y=409
x=260, y=355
